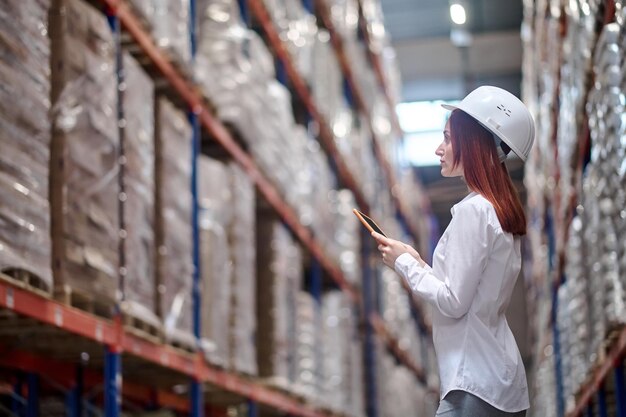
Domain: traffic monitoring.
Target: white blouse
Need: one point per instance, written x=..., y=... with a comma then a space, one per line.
x=475, y=266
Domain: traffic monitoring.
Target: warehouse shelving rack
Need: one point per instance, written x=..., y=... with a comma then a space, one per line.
x=612, y=360
x=110, y=345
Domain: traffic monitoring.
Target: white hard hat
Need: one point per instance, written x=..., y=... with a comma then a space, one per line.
x=502, y=114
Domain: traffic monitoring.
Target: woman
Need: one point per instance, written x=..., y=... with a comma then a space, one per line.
x=477, y=260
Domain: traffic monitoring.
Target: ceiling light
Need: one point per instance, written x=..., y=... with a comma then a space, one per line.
x=457, y=13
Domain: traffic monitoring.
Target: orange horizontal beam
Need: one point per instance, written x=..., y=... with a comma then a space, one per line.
x=56, y=314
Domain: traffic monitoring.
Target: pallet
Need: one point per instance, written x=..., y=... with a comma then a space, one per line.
x=27, y=280
x=90, y=303
x=142, y=328
x=185, y=343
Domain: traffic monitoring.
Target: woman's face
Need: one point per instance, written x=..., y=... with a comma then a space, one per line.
x=446, y=157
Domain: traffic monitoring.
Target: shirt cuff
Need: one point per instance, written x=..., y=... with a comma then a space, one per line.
x=404, y=263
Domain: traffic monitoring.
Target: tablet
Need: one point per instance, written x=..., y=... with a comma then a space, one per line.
x=368, y=223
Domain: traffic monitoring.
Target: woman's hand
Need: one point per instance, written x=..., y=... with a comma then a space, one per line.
x=390, y=250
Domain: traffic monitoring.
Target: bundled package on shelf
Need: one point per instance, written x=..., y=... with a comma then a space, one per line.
x=168, y=21
x=573, y=314
x=603, y=187
x=84, y=155
x=338, y=328
x=173, y=223
x=25, y=142
x=356, y=399
x=326, y=78
x=344, y=15
x=139, y=282
x=575, y=80
x=215, y=202
x=241, y=236
x=279, y=274
x=347, y=234
x=297, y=28
x=307, y=378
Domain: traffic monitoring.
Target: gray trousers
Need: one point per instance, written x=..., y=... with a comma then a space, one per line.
x=464, y=404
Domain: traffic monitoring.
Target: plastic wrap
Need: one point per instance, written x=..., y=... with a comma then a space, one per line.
x=279, y=271
x=297, y=28
x=169, y=22
x=173, y=221
x=241, y=236
x=347, y=235
x=85, y=145
x=307, y=332
x=25, y=139
x=138, y=107
x=338, y=330
x=215, y=203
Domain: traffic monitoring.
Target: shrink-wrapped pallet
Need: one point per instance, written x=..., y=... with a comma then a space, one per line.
x=138, y=178
x=173, y=222
x=84, y=155
x=306, y=381
x=279, y=272
x=25, y=140
x=241, y=236
x=215, y=200
x=168, y=20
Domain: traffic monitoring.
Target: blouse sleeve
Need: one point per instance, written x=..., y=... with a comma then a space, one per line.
x=452, y=289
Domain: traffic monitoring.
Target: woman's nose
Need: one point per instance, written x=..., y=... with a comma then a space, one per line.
x=439, y=151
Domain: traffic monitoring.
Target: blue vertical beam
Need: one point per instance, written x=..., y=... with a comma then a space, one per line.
x=620, y=389
x=80, y=388
x=315, y=282
x=589, y=410
x=253, y=409
x=112, y=382
x=70, y=403
x=281, y=72
x=558, y=371
x=368, y=351
x=309, y=5
x=601, y=396
x=18, y=392
x=193, y=28
x=197, y=399
x=32, y=406
x=245, y=12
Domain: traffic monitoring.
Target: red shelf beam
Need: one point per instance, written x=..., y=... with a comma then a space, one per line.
x=615, y=355
x=83, y=324
x=326, y=136
x=217, y=130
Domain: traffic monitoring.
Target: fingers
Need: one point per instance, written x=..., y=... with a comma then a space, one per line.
x=380, y=238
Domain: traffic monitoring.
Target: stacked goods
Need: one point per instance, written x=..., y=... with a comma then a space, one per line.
x=235, y=70
x=356, y=400
x=306, y=381
x=347, y=235
x=25, y=139
x=297, y=28
x=138, y=175
x=241, y=236
x=338, y=328
x=279, y=274
x=173, y=225
x=575, y=81
x=168, y=21
x=84, y=154
x=215, y=201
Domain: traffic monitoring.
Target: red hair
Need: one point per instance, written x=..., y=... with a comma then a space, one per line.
x=474, y=146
